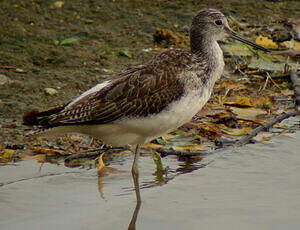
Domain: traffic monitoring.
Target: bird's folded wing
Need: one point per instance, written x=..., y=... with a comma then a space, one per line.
x=139, y=93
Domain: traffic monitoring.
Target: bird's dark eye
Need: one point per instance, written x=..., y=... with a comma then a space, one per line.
x=219, y=22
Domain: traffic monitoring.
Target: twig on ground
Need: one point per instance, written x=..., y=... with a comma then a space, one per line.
x=273, y=81
x=286, y=53
x=266, y=82
x=244, y=140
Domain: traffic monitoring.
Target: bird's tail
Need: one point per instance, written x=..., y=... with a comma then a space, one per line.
x=42, y=120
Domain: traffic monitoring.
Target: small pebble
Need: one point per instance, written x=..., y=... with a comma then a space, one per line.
x=18, y=70
x=51, y=91
x=58, y=4
x=4, y=80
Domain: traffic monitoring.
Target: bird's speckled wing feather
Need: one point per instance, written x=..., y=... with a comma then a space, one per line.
x=138, y=92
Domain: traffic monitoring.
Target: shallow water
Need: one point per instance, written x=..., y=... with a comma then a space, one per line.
x=252, y=187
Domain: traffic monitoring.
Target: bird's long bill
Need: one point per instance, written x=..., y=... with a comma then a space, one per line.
x=237, y=37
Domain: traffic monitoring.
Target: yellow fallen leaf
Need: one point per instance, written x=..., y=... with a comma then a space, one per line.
x=189, y=147
x=240, y=102
x=266, y=42
x=48, y=151
x=7, y=155
x=101, y=164
x=236, y=132
x=154, y=146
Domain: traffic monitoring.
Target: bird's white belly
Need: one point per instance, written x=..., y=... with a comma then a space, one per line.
x=140, y=130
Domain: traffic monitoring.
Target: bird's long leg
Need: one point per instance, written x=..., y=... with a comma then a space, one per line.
x=135, y=173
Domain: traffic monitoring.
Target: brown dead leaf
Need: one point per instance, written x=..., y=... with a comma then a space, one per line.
x=7, y=155
x=48, y=151
x=209, y=130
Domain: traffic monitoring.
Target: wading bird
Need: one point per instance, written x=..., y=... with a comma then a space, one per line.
x=151, y=99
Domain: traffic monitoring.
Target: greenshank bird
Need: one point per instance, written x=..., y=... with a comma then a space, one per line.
x=151, y=99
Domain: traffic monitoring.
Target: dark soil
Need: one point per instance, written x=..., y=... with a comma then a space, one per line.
x=33, y=56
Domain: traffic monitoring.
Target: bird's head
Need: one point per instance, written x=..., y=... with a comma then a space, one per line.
x=212, y=24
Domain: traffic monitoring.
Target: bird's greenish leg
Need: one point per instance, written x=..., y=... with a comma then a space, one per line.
x=135, y=173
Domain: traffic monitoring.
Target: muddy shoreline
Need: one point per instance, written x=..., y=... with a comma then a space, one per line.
x=71, y=47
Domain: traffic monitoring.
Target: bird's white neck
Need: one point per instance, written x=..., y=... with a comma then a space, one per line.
x=215, y=57
x=208, y=50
